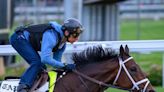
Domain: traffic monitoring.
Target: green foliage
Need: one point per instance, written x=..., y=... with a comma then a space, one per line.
x=155, y=75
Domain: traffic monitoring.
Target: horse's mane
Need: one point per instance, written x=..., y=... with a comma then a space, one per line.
x=93, y=54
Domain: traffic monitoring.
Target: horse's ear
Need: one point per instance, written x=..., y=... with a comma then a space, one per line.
x=121, y=50
x=127, y=49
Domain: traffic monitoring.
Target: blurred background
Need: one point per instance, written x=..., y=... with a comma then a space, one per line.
x=103, y=20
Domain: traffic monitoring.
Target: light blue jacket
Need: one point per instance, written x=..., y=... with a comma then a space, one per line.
x=49, y=41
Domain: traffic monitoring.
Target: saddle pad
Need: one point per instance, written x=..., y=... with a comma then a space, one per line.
x=52, y=75
x=9, y=85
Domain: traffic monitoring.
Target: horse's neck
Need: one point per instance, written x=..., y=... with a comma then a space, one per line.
x=104, y=72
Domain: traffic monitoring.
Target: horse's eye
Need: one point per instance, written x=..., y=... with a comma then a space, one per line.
x=133, y=69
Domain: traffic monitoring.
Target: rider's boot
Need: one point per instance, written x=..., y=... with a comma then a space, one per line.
x=22, y=88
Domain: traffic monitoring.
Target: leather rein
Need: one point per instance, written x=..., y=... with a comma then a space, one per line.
x=100, y=83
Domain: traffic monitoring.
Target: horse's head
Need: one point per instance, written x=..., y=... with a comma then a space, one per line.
x=105, y=68
x=130, y=75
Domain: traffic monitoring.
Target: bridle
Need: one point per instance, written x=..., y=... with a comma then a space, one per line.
x=122, y=66
x=135, y=84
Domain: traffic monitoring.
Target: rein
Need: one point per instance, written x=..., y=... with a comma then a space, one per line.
x=100, y=83
x=122, y=66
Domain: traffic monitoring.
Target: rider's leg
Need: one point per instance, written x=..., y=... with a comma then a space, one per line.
x=22, y=88
x=24, y=48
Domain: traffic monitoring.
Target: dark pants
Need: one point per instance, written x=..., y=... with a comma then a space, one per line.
x=25, y=49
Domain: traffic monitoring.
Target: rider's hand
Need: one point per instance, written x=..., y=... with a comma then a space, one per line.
x=70, y=67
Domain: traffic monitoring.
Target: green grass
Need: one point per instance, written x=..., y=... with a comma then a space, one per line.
x=149, y=29
x=147, y=61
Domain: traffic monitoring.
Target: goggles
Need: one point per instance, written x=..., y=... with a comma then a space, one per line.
x=76, y=33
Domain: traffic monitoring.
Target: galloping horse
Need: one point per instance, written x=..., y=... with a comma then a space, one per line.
x=99, y=68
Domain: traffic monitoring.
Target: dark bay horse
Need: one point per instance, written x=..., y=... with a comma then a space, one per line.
x=98, y=68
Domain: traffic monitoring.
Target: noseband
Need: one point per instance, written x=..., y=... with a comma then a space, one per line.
x=122, y=66
x=135, y=84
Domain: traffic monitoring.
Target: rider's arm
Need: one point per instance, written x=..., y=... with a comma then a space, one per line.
x=49, y=41
x=58, y=54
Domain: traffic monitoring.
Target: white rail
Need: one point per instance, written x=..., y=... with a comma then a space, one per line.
x=135, y=46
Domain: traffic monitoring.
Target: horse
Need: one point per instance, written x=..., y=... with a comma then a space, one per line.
x=99, y=68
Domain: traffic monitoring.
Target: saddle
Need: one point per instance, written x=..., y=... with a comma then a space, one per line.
x=51, y=77
x=41, y=80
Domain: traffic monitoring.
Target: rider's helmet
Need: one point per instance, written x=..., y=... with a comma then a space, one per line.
x=73, y=26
